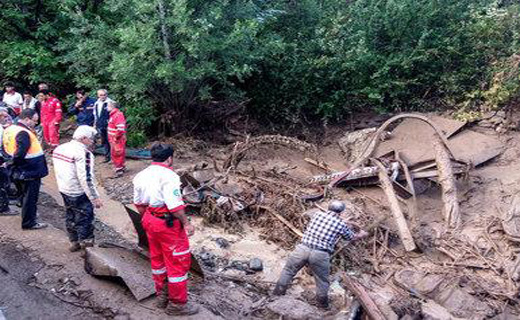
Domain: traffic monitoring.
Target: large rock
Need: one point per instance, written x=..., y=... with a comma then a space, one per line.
x=288, y=308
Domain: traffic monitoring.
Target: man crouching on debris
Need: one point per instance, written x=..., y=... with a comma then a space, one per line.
x=315, y=250
x=74, y=169
x=157, y=196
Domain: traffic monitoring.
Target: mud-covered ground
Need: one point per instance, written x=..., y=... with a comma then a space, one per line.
x=20, y=297
x=468, y=273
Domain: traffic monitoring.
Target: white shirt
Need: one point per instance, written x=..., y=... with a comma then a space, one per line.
x=31, y=105
x=74, y=169
x=13, y=100
x=99, y=106
x=158, y=186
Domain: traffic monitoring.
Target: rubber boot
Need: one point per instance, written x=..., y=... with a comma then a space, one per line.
x=161, y=301
x=86, y=243
x=187, y=309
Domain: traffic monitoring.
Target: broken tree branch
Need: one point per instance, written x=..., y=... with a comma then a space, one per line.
x=447, y=181
x=362, y=295
x=282, y=219
x=402, y=225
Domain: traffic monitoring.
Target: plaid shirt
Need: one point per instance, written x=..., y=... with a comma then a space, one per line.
x=324, y=230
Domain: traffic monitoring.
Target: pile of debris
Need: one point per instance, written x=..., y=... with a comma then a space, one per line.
x=406, y=156
x=415, y=261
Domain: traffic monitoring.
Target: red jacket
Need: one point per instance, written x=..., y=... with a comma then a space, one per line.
x=116, y=124
x=51, y=111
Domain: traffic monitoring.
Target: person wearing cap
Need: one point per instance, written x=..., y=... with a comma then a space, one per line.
x=315, y=250
x=77, y=185
x=158, y=198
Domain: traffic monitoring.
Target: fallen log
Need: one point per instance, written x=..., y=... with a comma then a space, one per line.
x=369, y=306
x=402, y=225
x=446, y=178
x=412, y=205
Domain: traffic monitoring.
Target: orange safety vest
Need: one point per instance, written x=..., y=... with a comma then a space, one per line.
x=9, y=142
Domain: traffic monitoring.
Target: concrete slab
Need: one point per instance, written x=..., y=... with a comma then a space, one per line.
x=126, y=264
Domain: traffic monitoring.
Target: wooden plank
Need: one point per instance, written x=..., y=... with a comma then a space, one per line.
x=369, y=306
x=402, y=225
x=447, y=181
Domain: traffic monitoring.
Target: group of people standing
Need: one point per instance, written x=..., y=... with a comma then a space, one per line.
x=22, y=150
x=157, y=193
x=102, y=113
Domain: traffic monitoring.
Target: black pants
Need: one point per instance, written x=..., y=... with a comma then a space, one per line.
x=30, y=193
x=79, y=217
x=104, y=141
x=4, y=188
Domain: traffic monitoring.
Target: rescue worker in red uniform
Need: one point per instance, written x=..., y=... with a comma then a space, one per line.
x=51, y=115
x=157, y=196
x=117, y=137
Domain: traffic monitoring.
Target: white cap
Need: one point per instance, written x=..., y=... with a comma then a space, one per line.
x=84, y=132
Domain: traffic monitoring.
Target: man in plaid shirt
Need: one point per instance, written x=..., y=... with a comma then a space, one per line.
x=315, y=250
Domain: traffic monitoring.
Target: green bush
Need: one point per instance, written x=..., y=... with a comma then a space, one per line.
x=172, y=62
x=136, y=139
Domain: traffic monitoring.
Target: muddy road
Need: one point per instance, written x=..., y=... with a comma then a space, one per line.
x=20, y=297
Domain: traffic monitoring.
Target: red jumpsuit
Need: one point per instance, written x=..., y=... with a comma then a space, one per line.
x=51, y=116
x=117, y=138
x=156, y=192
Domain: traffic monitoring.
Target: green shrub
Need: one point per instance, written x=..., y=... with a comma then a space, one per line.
x=136, y=139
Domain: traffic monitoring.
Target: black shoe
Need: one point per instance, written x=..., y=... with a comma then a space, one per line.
x=279, y=290
x=8, y=212
x=37, y=226
x=107, y=160
x=323, y=303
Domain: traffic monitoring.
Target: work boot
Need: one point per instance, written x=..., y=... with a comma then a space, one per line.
x=187, y=309
x=86, y=244
x=161, y=301
x=279, y=290
x=75, y=246
x=323, y=303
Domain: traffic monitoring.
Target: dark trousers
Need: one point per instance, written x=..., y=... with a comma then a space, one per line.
x=79, y=217
x=30, y=193
x=104, y=141
x=319, y=263
x=4, y=188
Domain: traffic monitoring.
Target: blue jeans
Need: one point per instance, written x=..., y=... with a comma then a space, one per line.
x=79, y=217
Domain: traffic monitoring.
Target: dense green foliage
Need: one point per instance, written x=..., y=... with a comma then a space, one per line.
x=186, y=60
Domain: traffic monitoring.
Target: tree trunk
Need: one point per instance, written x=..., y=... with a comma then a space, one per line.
x=164, y=30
